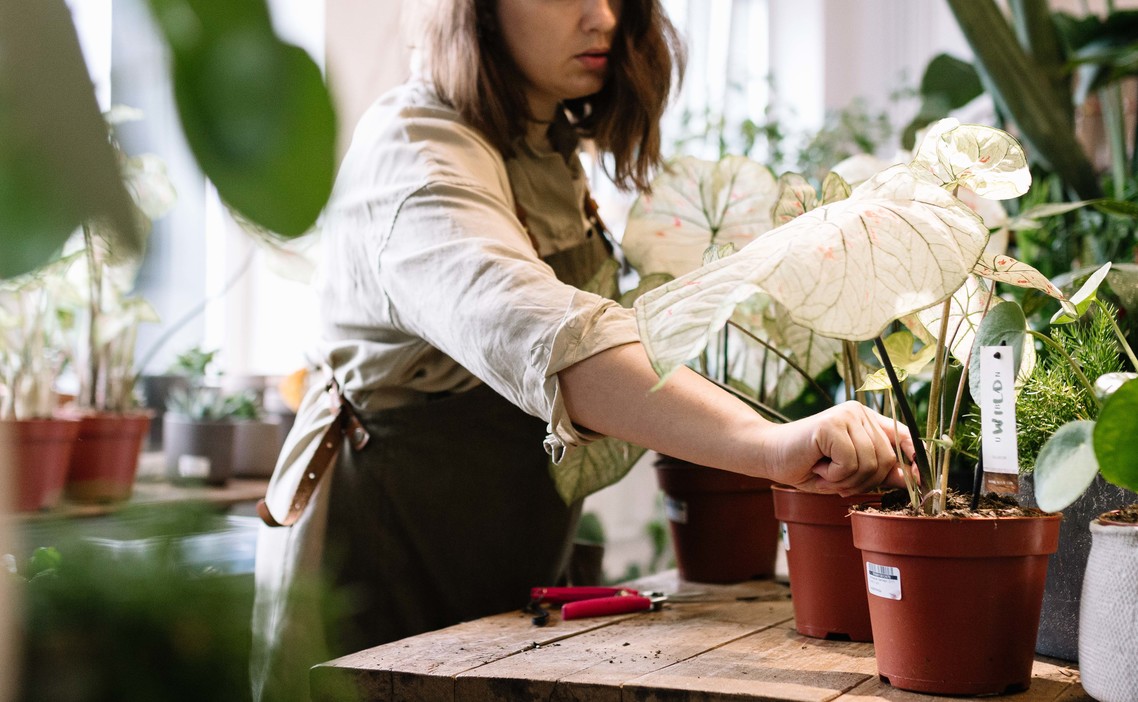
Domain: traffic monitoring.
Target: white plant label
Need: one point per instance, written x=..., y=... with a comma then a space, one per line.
x=193, y=467
x=784, y=532
x=675, y=510
x=998, y=410
x=883, y=581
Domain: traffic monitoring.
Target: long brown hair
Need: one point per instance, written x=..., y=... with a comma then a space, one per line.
x=473, y=72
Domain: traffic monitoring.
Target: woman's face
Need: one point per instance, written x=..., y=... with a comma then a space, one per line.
x=561, y=46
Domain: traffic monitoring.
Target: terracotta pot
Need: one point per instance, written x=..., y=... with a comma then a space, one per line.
x=105, y=459
x=41, y=452
x=1108, y=615
x=198, y=452
x=722, y=523
x=826, y=582
x=954, y=603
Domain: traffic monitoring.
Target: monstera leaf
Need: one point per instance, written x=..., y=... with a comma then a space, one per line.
x=693, y=205
x=900, y=243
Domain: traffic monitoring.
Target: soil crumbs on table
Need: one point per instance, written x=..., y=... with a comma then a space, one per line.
x=959, y=506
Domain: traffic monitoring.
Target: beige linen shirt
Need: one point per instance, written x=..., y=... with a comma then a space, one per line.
x=433, y=285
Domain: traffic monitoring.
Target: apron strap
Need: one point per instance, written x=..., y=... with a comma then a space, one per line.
x=344, y=423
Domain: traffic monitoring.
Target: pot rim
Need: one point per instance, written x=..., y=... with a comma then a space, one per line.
x=1099, y=523
x=950, y=519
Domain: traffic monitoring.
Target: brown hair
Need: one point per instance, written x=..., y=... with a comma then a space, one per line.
x=473, y=72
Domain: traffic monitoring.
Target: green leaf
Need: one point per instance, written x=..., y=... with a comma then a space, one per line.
x=586, y=469
x=1081, y=301
x=57, y=168
x=1116, y=437
x=1029, y=218
x=255, y=111
x=878, y=380
x=1003, y=325
x=43, y=559
x=695, y=204
x=648, y=282
x=1066, y=466
x=1122, y=208
x=948, y=84
x=899, y=345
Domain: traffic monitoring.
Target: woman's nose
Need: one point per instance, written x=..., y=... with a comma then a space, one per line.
x=600, y=15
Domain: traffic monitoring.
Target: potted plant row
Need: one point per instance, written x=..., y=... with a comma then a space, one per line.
x=901, y=248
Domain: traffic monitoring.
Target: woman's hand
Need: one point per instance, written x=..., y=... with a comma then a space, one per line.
x=846, y=449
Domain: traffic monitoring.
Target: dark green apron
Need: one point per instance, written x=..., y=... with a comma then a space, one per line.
x=448, y=513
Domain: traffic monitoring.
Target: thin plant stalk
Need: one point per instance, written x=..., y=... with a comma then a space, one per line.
x=799, y=369
x=907, y=474
x=1118, y=334
x=91, y=369
x=910, y=421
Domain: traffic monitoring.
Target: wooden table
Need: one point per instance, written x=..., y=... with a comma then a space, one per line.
x=740, y=646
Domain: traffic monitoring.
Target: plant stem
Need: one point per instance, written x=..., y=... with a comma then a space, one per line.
x=906, y=412
x=801, y=371
x=771, y=412
x=1115, y=125
x=91, y=369
x=1074, y=366
x=1118, y=334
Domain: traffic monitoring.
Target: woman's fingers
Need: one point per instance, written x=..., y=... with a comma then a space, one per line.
x=860, y=451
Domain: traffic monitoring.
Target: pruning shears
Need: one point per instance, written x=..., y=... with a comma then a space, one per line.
x=581, y=602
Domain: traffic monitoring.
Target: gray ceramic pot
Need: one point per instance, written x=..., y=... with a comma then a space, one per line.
x=198, y=452
x=1059, y=623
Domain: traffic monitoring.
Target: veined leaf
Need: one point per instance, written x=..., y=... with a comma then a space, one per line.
x=985, y=160
x=1081, y=301
x=1066, y=466
x=834, y=188
x=899, y=345
x=964, y=316
x=586, y=469
x=1006, y=269
x=896, y=245
x=796, y=196
x=878, y=380
x=695, y=204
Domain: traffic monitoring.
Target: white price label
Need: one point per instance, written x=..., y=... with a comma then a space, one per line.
x=998, y=410
x=883, y=581
x=193, y=467
x=784, y=532
x=675, y=510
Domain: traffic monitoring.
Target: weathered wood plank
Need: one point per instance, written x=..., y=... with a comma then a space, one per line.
x=423, y=667
x=773, y=664
x=593, y=666
x=1051, y=681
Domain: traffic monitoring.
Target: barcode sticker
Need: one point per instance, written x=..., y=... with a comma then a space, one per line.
x=784, y=532
x=883, y=581
x=675, y=510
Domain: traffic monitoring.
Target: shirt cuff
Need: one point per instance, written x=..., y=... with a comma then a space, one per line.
x=586, y=331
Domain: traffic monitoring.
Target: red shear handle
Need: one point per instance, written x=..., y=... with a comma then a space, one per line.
x=561, y=595
x=604, y=606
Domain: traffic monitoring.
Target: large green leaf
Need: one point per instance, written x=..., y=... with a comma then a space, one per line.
x=255, y=111
x=1004, y=324
x=695, y=204
x=1066, y=466
x=57, y=168
x=1116, y=437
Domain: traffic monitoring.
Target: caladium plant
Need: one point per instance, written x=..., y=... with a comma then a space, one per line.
x=901, y=247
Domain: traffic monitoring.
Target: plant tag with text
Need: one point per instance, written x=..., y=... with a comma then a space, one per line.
x=883, y=581
x=998, y=410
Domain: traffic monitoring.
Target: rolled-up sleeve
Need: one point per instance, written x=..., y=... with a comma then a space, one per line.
x=459, y=271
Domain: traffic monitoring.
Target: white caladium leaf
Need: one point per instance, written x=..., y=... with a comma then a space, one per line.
x=845, y=270
x=964, y=317
x=149, y=185
x=796, y=196
x=693, y=205
x=1082, y=300
x=1006, y=269
x=985, y=160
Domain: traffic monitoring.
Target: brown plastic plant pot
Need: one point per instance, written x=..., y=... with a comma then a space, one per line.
x=962, y=599
x=827, y=586
x=105, y=460
x=722, y=523
x=41, y=453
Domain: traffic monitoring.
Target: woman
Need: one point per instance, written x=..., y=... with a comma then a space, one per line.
x=457, y=240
